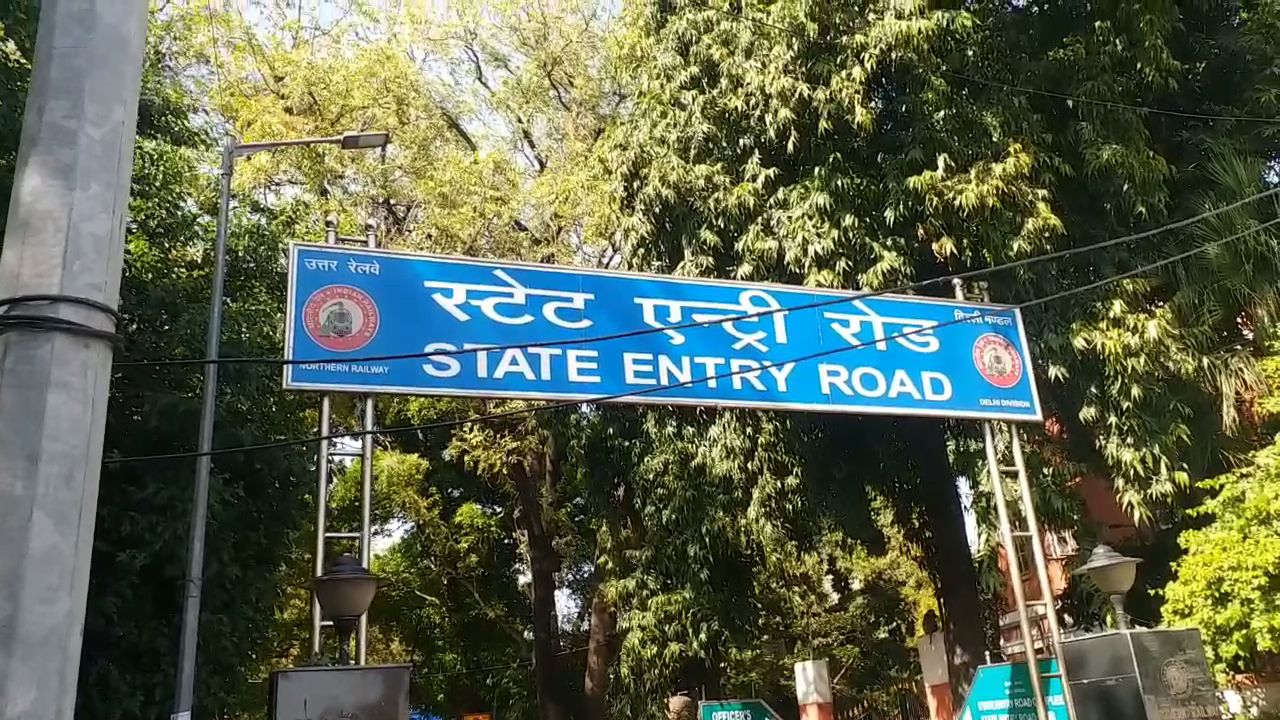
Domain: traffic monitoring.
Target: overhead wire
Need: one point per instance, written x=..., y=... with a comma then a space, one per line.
x=516, y=412
x=918, y=285
x=1034, y=91
x=1110, y=103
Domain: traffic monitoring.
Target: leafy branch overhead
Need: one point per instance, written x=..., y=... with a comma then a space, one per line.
x=590, y=562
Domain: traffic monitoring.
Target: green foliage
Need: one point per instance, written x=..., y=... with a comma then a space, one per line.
x=828, y=144
x=1226, y=583
x=492, y=109
x=723, y=575
x=1267, y=406
x=257, y=501
x=805, y=141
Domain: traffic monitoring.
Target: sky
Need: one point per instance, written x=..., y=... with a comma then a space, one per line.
x=970, y=517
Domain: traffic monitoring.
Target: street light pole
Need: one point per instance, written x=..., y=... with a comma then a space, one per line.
x=204, y=463
x=184, y=697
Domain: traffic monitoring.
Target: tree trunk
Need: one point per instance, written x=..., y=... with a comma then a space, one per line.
x=600, y=653
x=957, y=579
x=531, y=480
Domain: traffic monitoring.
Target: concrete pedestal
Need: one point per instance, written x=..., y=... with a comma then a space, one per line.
x=1141, y=675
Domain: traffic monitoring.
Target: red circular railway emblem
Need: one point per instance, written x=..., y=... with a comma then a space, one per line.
x=997, y=361
x=340, y=318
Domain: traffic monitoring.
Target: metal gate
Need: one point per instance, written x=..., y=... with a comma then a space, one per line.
x=901, y=701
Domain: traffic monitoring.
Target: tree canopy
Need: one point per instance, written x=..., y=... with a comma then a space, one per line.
x=587, y=563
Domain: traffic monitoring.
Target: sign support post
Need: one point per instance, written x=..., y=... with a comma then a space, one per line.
x=1009, y=539
x=324, y=464
x=366, y=487
x=1009, y=536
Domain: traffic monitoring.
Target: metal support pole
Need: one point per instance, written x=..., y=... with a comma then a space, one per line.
x=322, y=480
x=1042, y=567
x=1117, y=606
x=1007, y=539
x=1015, y=569
x=64, y=236
x=322, y=517
x=366, y=488
x=193, y=585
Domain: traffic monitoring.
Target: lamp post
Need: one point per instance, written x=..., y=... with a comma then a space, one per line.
x=345, y=592
x=185, y=694
x=1114, y=574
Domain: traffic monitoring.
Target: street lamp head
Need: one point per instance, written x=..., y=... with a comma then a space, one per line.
x=1112, y=572
x=365, y=140
x=345, y=590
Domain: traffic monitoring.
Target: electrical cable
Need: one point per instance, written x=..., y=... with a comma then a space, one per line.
x=698, y=381
x=11, y=321
x=1033, y=91
x=1111, y=103
x=56, y=297
x=919, y=285
x=486, y=668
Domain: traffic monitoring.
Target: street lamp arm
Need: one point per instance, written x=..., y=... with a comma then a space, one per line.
x=367, y=140
x=240, y=150
x=184, y=696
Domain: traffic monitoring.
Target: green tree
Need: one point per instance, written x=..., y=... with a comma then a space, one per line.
x=1226, y=582
x=492, y=109
x=735, y=562
x=848, y=145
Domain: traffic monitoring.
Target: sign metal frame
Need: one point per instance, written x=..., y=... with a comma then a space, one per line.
x=290, y=382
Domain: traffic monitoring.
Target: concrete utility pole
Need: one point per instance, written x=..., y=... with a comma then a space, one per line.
x=64, y=238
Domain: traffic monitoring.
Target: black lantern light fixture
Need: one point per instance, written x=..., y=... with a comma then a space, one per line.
x=1114, y=574
x=345, y=592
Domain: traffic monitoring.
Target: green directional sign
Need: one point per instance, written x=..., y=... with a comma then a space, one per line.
x=1003, y=691
x=736, y=710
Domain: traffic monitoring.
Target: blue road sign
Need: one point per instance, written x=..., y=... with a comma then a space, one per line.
x=919, y=356
x=1003, y=692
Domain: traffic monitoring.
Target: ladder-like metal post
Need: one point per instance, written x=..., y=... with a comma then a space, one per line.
x=1042, y=567
x=1009, y=540
x=366, y=487
x=322, y=480
x=324, y=464
x=1008, y=537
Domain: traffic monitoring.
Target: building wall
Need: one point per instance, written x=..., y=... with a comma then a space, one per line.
x=1114, y=526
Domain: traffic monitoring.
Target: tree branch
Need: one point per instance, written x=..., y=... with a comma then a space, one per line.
x=555, y=88
x=477, y=67
x=533, y=147
x=458, y=130
x=522, y=126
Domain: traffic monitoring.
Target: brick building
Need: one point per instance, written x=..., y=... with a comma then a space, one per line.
x=1061, y=555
